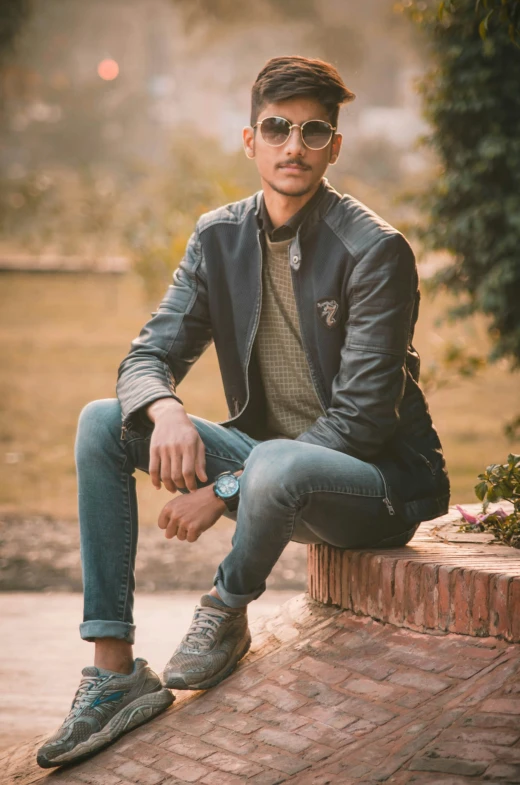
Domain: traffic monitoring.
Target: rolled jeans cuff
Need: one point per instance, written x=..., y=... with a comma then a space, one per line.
x=235, y=600
x=90, y=630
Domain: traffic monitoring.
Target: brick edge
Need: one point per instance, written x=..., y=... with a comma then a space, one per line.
x=425, y=596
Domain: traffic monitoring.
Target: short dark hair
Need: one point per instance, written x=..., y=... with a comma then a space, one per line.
x=282, y=78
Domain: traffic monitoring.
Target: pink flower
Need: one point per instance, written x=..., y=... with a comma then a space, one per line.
x=476, y=520
x=500, y=513
x=468, y=517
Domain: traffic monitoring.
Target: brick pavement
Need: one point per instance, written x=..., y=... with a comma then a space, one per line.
x=326, y=696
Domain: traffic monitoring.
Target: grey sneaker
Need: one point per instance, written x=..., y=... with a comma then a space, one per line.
x=105, y=706
x=217, y=639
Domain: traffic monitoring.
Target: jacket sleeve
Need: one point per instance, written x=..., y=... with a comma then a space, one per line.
x=169, y=343
x=369, y=386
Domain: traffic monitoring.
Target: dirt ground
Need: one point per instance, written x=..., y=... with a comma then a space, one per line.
x=42, y=553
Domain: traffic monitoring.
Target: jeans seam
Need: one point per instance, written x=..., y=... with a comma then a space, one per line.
x=291, y=526
x=249, y=440
x=128, y=442
x=343, y=493
x=123, y=599
x=224, y=457
x=211, y=454
x=220, y=573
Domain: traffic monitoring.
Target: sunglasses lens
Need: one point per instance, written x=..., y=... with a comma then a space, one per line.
x=316, y=134
x=275, y=130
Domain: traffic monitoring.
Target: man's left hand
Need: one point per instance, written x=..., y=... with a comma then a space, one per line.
x=189, y=514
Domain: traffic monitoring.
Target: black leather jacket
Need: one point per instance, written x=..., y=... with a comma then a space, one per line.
x=356, y=288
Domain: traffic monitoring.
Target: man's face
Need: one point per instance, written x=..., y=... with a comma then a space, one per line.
x=291, y=169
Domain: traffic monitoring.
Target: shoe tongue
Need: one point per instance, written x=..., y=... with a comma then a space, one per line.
x=90, y=670
x=209, y=601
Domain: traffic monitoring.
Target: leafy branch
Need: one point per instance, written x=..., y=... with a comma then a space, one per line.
x=500, y=482
x=506, y=11
x=456, y=362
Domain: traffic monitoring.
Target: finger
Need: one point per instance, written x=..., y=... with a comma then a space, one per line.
x=176, y=470
x=188, y=471
x=193, y=534
x=166, y=472
x=171, y=529
x=155, y=467
x=164, y=517
x=200, y=462
x=181, y=533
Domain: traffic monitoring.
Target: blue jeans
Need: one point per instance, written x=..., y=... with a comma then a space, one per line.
x=289, y=491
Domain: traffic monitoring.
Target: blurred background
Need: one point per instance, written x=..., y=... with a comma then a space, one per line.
x=120, y=123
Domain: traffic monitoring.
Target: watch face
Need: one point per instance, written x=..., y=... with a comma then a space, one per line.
x=227, y=486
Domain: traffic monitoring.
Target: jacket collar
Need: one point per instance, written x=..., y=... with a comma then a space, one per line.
x=312, y=212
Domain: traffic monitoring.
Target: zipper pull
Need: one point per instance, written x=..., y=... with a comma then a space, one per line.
x=428, y=463
x=389, y=507
x=123, y=432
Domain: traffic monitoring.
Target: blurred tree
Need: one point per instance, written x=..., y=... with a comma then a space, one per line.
x=228, y=12
x=507, y=12
x=331, y=30
x=14, y=13
x=472, y=102
x=157, y=231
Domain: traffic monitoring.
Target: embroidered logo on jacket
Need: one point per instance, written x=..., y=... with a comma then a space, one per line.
x=328, y=310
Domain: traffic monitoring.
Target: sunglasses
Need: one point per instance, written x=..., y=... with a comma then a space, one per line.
x=275, y=131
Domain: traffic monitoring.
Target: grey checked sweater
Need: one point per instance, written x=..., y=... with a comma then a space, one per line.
x=292, y=403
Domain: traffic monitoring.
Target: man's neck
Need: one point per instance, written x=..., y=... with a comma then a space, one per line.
x=281, y=207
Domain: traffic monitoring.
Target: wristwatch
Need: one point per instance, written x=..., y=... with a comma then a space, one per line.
x=227, y=488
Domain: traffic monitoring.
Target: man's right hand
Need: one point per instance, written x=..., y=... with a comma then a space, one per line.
x=177, y=453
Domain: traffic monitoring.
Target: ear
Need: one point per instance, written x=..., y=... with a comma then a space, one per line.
x=335, y=148
x=248, y=138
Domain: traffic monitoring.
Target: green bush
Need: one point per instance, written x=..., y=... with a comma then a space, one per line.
x=472, y=101
x=498, y=482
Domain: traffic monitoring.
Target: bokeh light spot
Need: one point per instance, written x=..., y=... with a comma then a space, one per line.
x=108, y=70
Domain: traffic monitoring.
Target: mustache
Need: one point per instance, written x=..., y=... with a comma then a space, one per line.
x=292, y=162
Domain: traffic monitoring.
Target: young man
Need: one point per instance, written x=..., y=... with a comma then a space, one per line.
x=311, y=300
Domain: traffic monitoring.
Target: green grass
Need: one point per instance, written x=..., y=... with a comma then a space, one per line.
x=62, y=338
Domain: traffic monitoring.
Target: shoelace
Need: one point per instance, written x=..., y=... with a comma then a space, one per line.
x=205, y=624
x=89, y=688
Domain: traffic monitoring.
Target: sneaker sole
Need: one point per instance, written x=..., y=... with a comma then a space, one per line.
x=178, y=683
x=141, y=710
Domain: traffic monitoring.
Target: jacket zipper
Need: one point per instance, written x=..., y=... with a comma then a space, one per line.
x=236, y=403
x=427, y=462
x=250, y=347
x=386, y=499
